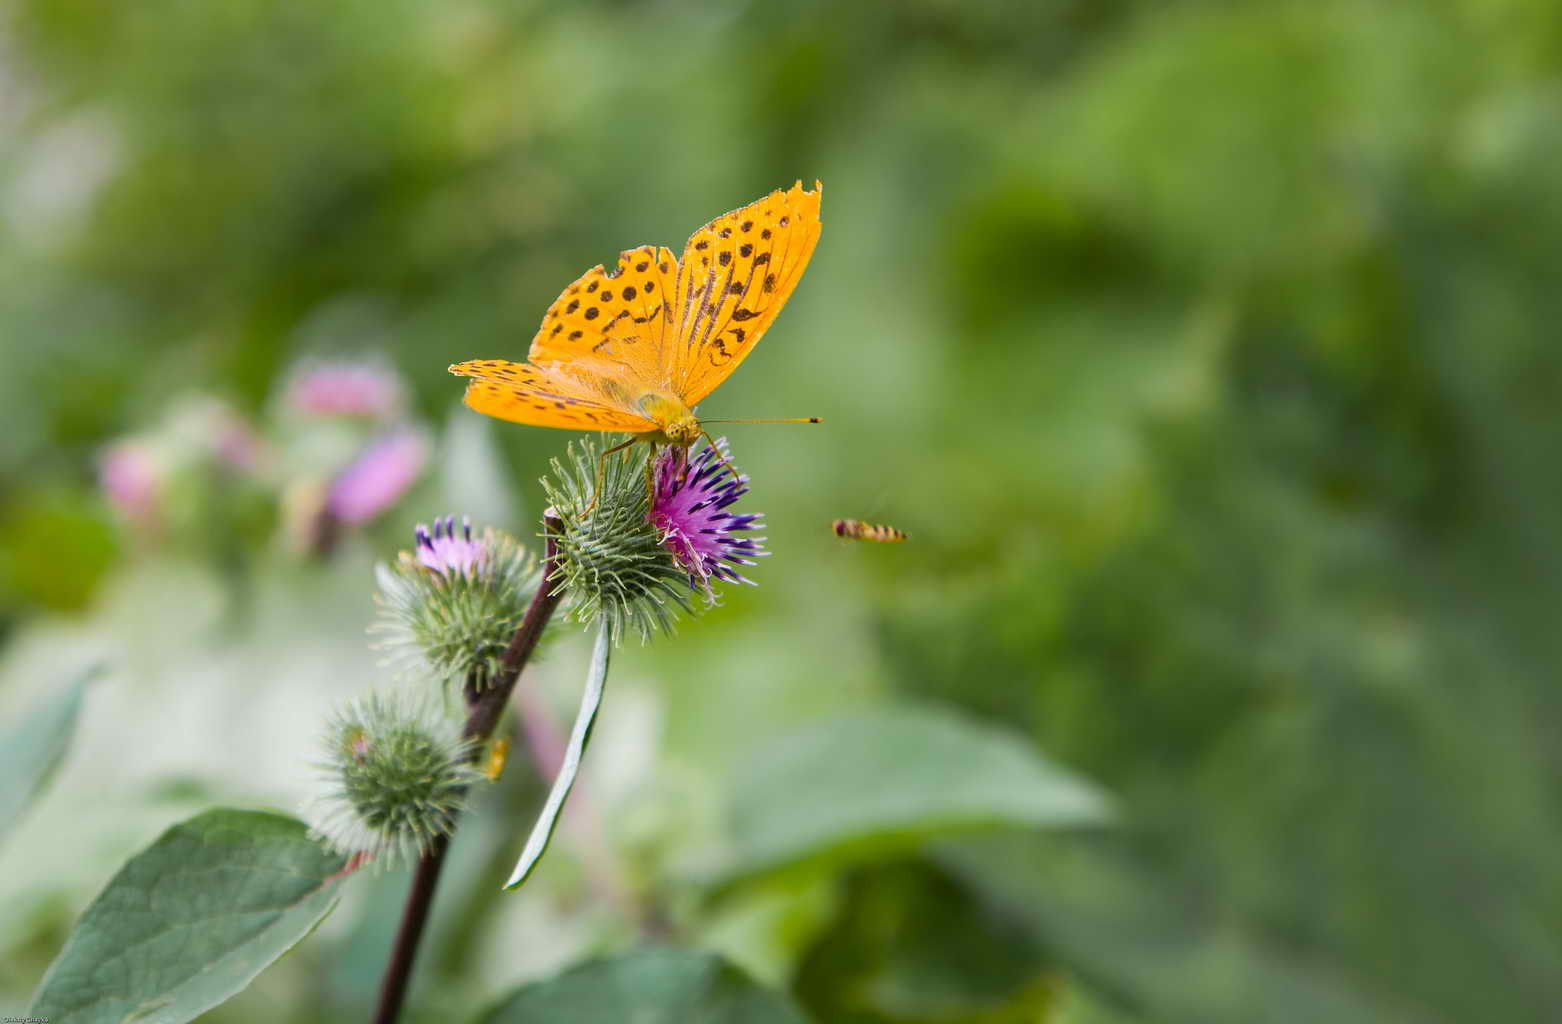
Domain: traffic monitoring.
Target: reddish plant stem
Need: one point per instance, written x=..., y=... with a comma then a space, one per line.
x=484, y=706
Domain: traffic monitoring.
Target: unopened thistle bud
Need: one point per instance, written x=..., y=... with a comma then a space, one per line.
x=395, y=777
x=449, y=607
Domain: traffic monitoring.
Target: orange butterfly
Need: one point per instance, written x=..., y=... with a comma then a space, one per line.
x=634, y=349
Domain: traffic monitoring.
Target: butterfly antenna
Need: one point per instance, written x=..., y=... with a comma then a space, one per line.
x=799, y=419
x=712, y=441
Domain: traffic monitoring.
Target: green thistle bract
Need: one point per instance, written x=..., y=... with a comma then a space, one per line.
x=611, y=560
x=449, y=608
x=397, y=774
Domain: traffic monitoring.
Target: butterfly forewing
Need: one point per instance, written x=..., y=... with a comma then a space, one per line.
x=617, y=317
x=736, y=274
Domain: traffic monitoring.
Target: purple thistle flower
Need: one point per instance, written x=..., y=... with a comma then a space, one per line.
x=689, y=508
x=446, y=552
x=450, y=607
x=378, y=477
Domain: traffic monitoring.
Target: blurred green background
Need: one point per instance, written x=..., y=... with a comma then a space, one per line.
x=1201, y=348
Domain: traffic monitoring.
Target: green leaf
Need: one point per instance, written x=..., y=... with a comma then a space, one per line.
x=590, y=702
x=649, y=986
x=889, y=778
x=32, y=747
x=189, y=922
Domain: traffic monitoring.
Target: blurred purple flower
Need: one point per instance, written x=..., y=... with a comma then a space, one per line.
x=689, y=507
x=442, y=550
x=378, y=477
x=366, y=388
x=129, y=476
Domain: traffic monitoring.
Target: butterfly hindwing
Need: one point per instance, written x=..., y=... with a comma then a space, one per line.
x=523, y=393
x=736, y=274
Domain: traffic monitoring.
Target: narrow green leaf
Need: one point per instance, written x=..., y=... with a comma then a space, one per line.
x=649, y=986
x=590, y=702
x=35, y=744
x=891, y=778
x=188, y=922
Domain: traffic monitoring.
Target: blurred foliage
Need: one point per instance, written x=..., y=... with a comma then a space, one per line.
x=32, y=748
x=652, y=986
x=861, y=785
x=1205, y=350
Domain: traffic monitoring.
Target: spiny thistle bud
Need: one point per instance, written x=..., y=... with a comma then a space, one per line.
x=610, y=555
x=449, y=607
x=396, y=775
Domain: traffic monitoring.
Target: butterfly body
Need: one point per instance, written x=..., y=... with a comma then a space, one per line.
x=676, y=422
x=635, y=349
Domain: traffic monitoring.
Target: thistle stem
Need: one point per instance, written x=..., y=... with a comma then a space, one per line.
x=484, y=706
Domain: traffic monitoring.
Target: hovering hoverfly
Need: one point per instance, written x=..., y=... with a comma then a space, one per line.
x=856, y=529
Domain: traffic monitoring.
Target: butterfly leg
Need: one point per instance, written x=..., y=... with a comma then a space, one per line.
x=650, y=476
x=602, y=472
x=719, y=457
